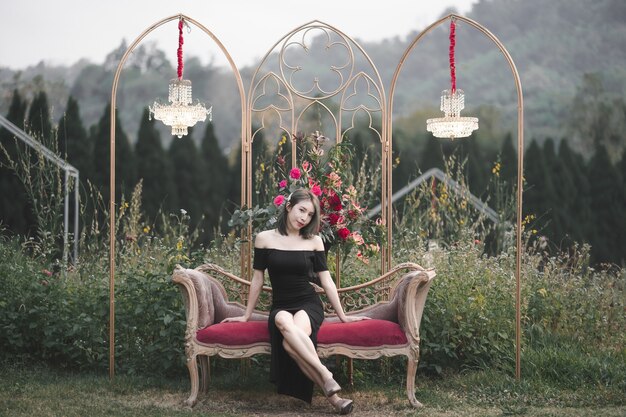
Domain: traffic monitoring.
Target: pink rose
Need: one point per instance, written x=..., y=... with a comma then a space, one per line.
x=279, y=199
x=295, y=173
x=316, y=190
x=343, y=233
x=282, y=184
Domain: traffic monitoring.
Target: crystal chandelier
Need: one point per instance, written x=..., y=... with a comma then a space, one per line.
x=180, y=113
x=452, y=125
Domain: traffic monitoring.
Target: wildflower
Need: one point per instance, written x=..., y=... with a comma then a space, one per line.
x=362, y=258
x=335, y=179
x=295, y=173
x=357, y=238
x=279, y=200
x=496, y=169
x=183, y=211
x=262, y=167
x=146, y=229
x=179, y=245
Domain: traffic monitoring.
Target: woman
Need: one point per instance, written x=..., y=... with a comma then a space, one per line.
x=294, y=256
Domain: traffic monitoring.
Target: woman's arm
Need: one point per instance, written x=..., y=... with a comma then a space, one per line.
x=255, y=289
x=333, y=296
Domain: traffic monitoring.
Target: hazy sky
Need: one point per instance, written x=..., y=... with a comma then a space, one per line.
x=63, y=31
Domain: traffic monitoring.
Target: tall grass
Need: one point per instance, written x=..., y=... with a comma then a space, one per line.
x=573, y=315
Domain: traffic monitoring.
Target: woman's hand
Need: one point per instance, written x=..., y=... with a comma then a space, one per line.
x=350, y=319
x=235, y=319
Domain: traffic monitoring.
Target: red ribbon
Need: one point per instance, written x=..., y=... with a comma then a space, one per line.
x=180, y=49
x=452, y=44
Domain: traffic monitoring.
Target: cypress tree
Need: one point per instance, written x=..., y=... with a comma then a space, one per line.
x=188, y=173
x=38, y=123
x=12, y=209
x=217, y=180
x=508, y=162
x=539, y=189
x=606, y=208
x=155, y=168
x=622, y=194
x=234, y=194
x=577, y=195
x=432, y=155
x=74, y=144
x=124, y=159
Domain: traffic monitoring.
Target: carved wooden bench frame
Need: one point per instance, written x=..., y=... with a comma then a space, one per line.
x=403, y=297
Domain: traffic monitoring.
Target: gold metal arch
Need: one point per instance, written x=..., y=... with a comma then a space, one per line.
x=520, y=159
x=112, y=159
x=282, y=75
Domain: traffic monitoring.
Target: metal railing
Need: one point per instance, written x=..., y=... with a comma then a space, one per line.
x=69, y=171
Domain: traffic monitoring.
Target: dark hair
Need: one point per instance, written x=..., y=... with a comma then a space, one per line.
x=301, y=194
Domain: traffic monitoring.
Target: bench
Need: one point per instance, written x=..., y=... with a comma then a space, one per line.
x=395, y=302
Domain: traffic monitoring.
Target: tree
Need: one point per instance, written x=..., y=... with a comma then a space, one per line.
x=217, y=180
x=606, y=208
x=508, y=162
x=539, y=189
x=154, y=167
x=577, y=201
x=124, y=159
x=188, y=175
x=38, y=122
x=74, y=144
x=12, y=209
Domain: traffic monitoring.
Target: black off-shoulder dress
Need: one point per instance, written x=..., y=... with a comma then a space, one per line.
x=291, y=273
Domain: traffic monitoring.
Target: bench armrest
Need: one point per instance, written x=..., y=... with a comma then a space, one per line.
x=411, y=304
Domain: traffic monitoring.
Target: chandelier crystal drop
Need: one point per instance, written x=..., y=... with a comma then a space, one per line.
x=180, y=113
x=452, y=125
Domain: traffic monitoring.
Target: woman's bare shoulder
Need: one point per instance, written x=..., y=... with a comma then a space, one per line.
x=318, y=243
x=264, y=239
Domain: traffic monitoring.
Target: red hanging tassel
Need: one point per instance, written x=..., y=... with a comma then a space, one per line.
x=180, y=49
x=452, y=67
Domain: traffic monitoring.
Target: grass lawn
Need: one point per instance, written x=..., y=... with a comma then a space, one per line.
x=28, y=390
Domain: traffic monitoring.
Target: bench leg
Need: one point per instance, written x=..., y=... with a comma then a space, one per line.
x=410, y=382
x=205, y=373
x=192, y=365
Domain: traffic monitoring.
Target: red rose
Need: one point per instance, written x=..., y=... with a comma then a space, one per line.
x=343, y=233
x=335, y=202
x=333, y=218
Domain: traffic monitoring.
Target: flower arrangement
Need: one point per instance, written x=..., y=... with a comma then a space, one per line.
x=327, y=173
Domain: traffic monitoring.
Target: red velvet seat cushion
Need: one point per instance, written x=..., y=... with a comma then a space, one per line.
x=235, y=334
x=366, y=333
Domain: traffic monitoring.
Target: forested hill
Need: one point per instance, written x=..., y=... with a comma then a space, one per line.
x=570, y=55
